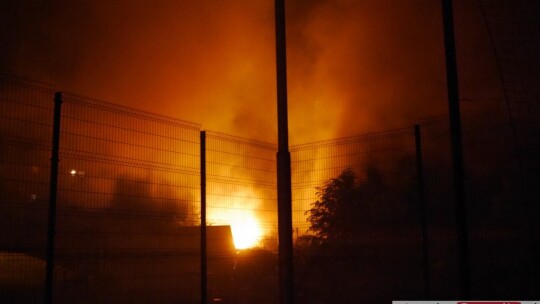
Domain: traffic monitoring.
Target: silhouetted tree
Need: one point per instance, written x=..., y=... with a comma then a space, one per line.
x=333, y=214
x=350, y=248
x=346, y=206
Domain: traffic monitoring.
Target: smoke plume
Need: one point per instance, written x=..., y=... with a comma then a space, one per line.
x=353, y=66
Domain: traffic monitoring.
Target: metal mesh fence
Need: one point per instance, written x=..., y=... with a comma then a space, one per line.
x=25, y=136
x=375, y=255
x=499, y=195
x=127, y=206
x=499, y=192
x=380, y=259
x=241, y=193
x=128, y=217
x=439, y=194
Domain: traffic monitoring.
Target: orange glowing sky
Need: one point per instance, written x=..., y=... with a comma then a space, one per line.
x=354, y=66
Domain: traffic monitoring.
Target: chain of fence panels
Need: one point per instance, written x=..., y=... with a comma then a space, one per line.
x=382, y=260
x=128, y=217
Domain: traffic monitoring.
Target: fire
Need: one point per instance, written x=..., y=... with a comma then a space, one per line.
x=246, y=231
x=242, y=211
x=245, y=226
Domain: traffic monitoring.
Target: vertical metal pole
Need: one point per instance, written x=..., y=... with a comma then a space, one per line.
x=53, y=192
x=423, y=207
x=457, y=149
x=204, y=282
x=286, y=294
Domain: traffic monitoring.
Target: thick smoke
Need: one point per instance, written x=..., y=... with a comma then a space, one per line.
x=353, y=66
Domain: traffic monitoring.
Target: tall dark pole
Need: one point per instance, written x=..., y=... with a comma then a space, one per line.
x=457, y=149
x=423, y=207
x=204, y=282
x=53, y=191
x=286, y=293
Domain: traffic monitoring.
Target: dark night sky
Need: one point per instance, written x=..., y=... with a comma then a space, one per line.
x=353, y=66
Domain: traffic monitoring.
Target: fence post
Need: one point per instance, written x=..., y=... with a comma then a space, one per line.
x=53, y=191
x=423, y=207
x=462, y=228
x=285, y=250
x=204, y=282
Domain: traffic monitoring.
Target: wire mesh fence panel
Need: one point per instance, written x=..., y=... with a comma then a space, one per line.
x=128, y=204
x=498, y=194
x=128, y=217
x=502, y=222
x=242, y=202
x=504, y=168
x=356, y=219
x=513, y=28
x=25, y=143
x=440, y=203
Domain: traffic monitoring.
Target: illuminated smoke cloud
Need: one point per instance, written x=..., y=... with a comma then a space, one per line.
x=353, y=66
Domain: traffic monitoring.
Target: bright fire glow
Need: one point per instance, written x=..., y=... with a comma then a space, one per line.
x=242, y=214
x=246, y=232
